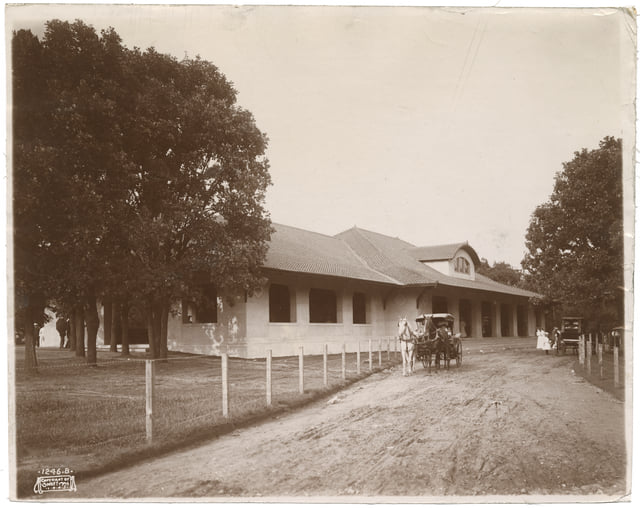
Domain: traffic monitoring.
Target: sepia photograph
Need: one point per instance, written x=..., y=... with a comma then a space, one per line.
x=320, y=253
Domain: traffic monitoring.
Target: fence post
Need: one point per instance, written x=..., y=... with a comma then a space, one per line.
x=370, y=356
x=616, y=368
x=600, y=364
x=344, y=361
x=388, y=349
x=268, y=377
x=325, y=374
x=588, y=354
x=225, y=385
x=301, y=370
x=149, y=371
x=379, y=352
x=358, y=358
x=581, y=350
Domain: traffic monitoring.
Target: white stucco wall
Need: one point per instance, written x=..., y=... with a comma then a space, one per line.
x=227, y=335
x=286, y=338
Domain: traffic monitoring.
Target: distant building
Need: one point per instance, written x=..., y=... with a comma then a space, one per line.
x=347, y=288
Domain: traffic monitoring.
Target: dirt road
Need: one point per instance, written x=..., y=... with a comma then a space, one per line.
x=511, y=421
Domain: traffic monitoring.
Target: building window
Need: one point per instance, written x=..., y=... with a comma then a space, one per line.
x=204, y=309
x=439, y=305
x=461, y=265
x=359, y=309
x=279, y=304
x=322, y=306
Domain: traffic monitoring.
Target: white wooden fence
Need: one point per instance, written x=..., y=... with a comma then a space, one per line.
x=224, y=358
x=593, y=344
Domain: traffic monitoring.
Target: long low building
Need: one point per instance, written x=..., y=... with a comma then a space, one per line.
x=348, y=289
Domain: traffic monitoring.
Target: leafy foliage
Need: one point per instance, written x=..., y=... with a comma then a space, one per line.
x=133, y=171
x=575, y=240
x=500, y=272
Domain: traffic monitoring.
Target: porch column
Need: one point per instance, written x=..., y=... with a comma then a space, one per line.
x=514, y=317
x=497, y=320
x=425, y=302
x=476, y=318
x=302, y=305
x=531, y=321
x=346, y=310
x=454, y=308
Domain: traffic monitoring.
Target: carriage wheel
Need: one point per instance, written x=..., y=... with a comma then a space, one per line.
x=459, y=354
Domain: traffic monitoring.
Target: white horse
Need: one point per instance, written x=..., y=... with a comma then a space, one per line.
x=407, y=345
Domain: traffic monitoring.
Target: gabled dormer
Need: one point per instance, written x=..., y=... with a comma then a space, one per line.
x=456, y=259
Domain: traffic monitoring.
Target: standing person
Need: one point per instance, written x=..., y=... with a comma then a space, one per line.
x=546, y=342
x=40, y=339
x=555, y=333
x=62, y=325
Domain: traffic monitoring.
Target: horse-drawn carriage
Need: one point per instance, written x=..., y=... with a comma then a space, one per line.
x=434, y=339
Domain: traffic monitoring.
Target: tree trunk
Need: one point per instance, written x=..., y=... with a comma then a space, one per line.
x=124, y=320
x=115, y=326
x=107, y=305
x=153, y=329
x=79, y=318
x=72, y=331
x=93, y=323
x=30, y=357
x=164, y=321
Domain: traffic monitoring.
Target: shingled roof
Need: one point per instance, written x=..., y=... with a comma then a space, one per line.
x=298, y=250
x=444, y=252
x=366, y=255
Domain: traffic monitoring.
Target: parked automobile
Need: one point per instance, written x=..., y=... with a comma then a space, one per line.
x=569, y=337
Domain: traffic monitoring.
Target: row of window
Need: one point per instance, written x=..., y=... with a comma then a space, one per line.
x=323, y=306
x=461, y=265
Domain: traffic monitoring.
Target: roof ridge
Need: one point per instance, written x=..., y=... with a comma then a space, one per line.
x=364, y=262
x=302, y=229
x=358, y=229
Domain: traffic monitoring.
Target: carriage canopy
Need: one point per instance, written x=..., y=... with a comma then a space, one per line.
x=437, y=319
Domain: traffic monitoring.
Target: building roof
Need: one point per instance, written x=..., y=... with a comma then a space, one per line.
x=299, y=250
x=366, y=255
x=444, y=252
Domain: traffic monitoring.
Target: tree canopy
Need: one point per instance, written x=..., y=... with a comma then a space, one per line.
x=575, y=239
x=136, y=175
x=500, y=272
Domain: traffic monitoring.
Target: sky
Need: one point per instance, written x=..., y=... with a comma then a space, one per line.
x=435, y=125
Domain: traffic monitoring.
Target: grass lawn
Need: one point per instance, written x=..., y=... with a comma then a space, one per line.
x=606, y=382
x=92, y=419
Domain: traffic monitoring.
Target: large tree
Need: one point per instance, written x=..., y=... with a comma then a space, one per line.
x=575, y=239
x=501, y=272
x=133, y=172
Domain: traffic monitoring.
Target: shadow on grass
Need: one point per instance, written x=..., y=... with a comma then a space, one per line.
x=606, y=383
x=27, y=478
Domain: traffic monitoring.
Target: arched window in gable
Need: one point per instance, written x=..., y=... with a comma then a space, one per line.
x=461, y=265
